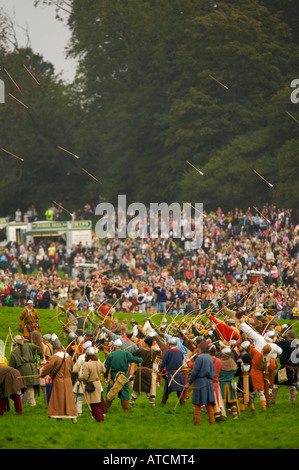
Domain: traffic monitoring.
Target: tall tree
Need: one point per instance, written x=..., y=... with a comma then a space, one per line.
x=34, y=120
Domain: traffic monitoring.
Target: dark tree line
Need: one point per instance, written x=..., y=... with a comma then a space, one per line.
x=145, y=100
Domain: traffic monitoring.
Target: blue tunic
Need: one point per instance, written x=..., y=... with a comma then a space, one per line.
x=202, y=376
x=172, y=360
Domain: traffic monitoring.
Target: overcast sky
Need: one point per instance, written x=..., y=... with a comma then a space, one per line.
x=48, y=36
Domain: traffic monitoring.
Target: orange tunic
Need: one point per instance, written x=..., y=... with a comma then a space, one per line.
x=31, y=322
x=257, y=370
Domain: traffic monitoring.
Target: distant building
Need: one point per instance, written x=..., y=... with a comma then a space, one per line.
x=72, y=232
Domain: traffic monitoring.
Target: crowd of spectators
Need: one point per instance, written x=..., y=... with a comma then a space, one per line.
x=244, y=261
x=53, y=212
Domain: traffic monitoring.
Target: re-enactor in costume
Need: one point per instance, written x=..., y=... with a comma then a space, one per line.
x=174, y=381
x=288, y=371
x=117, y=364
x=261, y=364
x=219, y=408
x=145, y=376
x=29, y=321
x=23, y=358
x=79, y=386
x=62, y=402
x=11, y=386
x=227, y=383
x=70, y=323
x=90, y=375
x=201, y=377
x=245, y=390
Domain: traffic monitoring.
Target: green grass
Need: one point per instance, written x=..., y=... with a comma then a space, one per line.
x=166, y=427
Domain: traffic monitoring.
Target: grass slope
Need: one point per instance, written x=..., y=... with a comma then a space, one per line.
x=166, y=427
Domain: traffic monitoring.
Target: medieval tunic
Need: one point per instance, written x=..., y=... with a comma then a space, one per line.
x=226, y=332
x=217, y=368
x=172, y=360
x=119, y=361
x=91, y=372
x=226, y=376
x=162, y=345
x=258, y=368
x=246, y=359
x=143, y=374
x=62, y=403
x=202, y=376
x=78, y=369
x=23, y=359
x=31, y=322
x=258, y=340
x=10, y=382
x=285, y=362
x=11, y=386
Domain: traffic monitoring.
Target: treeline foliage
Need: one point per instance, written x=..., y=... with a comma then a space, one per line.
x=144, y=102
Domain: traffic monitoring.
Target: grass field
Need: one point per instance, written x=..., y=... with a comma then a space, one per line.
x=166, y=427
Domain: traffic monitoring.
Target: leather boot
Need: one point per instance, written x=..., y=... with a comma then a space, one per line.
x=292, y=394
x=17, y=403
x=164, y=398
x=274, y=395
x=125, y=405
x=241, y=405
x=263, y=404
x=2, y=406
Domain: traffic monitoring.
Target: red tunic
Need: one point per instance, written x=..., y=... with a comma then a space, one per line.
x=224, y=330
